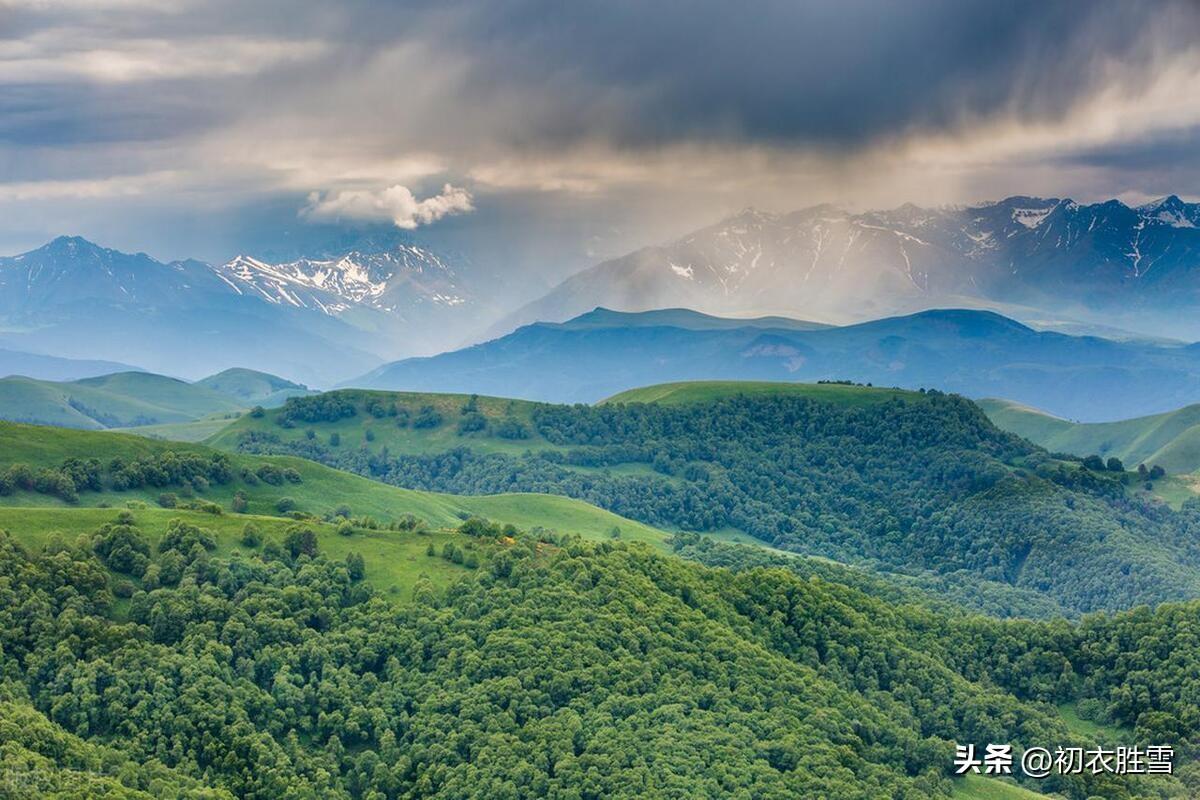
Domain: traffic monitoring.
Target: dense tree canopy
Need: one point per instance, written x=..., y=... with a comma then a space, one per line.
x=921, y=484
x=587, y=671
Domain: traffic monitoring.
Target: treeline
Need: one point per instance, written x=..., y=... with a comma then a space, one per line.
x=590, y=671
x=160, y=470
x=926, y=485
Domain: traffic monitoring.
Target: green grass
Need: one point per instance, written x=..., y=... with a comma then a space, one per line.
x=980, y=787
x=1170, y=440
x=194, y=431
x=321, y=490
x=120, y=400
x=705, y=391
x=394, y=560
x=1097, y=732
x=251, y=387
x=400, y=440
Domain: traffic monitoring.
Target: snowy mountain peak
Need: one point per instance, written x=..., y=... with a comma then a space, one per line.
x=397, y=278
x=1173, y=211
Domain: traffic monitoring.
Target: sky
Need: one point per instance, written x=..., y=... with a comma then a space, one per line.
x=536, y=138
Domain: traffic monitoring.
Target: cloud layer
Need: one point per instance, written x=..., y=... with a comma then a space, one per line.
x=574, y=129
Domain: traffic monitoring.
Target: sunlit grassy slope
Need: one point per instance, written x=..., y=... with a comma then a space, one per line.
x=407, y=439
x=703, y=391
x=193, y=431
x=394, y=560
x=322, y=489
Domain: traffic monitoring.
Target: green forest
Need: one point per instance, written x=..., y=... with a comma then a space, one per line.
x=835, y=595
x=910, y=482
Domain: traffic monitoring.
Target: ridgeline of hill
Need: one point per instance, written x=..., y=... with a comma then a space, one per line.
x=973, y=353
x=898, y=481
x=138, y=399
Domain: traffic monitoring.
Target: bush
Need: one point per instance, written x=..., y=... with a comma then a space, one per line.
x=285, y=504
x=472, y=422
x=300, y=541
x=345, y=529
x=335, y=439
x=250, y=536
x=168, y=500
x=427, y=417
x=511, y=428
x=240, y=504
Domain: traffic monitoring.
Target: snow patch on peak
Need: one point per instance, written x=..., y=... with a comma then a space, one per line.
x=683, y=272
x=1031, y=217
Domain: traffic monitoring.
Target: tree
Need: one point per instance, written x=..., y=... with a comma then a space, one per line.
x=1114, y=464
x=300, y=541
x=250, y=535
x=356, y=566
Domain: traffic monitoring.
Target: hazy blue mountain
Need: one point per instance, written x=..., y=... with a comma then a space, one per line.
x=975, y=353
x=76, y=299
x=53, y=368
x=1045, y=258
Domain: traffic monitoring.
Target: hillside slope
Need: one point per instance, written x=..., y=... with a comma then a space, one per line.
x=890, y=479
x=315, y=489
x=139, y=399
x=604, y=666
x=1170, y=440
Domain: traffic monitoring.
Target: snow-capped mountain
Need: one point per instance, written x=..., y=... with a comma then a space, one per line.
x=827, y=263
x=315, y=318
x=396, y=280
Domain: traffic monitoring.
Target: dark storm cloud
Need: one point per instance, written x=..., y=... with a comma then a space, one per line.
x=836, y=73
x=202, y=111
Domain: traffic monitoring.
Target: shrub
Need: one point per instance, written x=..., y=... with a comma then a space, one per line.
x=300, y=541
x=427, y=417
x=168, y=500
x=250, y=536
x=285, y=504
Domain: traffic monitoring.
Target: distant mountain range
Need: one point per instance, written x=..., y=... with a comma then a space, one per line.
x=1041, y=259
x=53, y=368
x=975, y=353
x=136, y=399
x=318, y=318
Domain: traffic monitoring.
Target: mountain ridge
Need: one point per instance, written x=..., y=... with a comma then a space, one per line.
x=972, y=352
x=1094, y=261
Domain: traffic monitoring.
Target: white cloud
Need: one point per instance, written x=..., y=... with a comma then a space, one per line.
x=68, y=54
x=395, y=203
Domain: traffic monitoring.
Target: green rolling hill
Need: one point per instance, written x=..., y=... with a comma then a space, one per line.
x=320, y=489
x=1170, y=440
x=845, y=472
x=253, y=388
x=139, y=399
